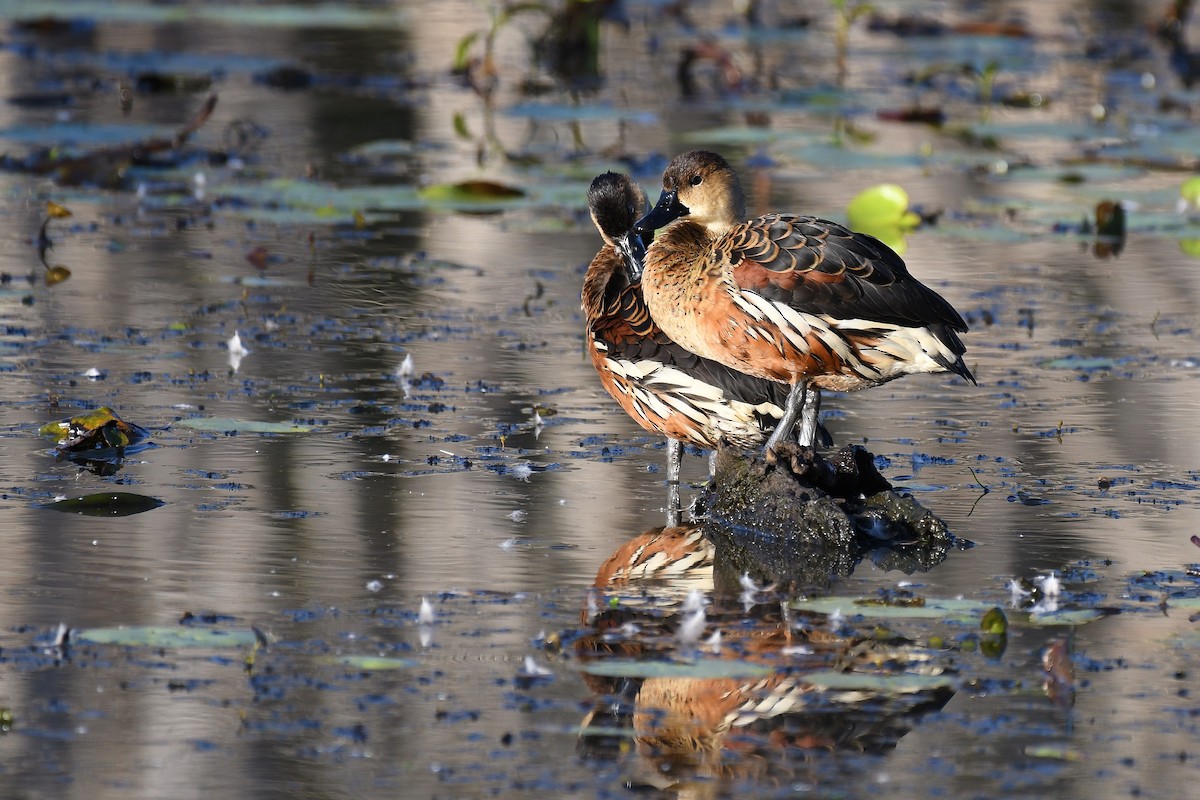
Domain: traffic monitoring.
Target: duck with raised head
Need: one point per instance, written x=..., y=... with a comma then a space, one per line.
x=786, y=297
x=665, y=388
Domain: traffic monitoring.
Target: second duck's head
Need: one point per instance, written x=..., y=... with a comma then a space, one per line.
x=615, y=202
x=700, y=186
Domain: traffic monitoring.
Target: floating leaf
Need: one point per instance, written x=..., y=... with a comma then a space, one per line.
x=1085, y=363
x=470, y=191
x=1068, y=616
x=702, y=668
x=932, y=608
x=106, y=504
x=178, y=636
x=884, y=205
x=1189, y=192
x=994, y=622
x=901, y=683
x=552, y=112
x=283, y=15
x=372, y=663
x=56, y=211
x=227, y=425
x=56, y=274
x=1054, y=751
x=93, y=423
x=6, y=719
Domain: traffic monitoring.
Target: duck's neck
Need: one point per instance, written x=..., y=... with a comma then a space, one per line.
x=604, y=279
x=682, y=242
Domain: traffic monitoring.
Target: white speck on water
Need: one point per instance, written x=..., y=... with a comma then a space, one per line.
x=1015, y=592
x=94, y=374
x=425, y=615
x=520, y=515
x=1051, y=585
x=237, y=351
x=532, y=669
x=509, y=544
x=796, y=650
x=713, y=643
x=521, y=471
x=693, y=602
x=374, y=586
x=691, y=628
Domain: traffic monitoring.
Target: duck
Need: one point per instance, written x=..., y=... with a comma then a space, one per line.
x=665, y=388
x=788, y=298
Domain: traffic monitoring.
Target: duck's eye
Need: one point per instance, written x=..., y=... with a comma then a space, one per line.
x=696, y=180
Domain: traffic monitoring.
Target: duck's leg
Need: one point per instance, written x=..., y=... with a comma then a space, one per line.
x=674, y=468
x=792, y=408
x=810, y=418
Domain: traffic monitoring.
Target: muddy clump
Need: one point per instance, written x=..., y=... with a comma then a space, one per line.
x=800, y=519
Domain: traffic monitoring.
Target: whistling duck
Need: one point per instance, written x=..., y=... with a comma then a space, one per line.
x=787, y=297
x=664, y=388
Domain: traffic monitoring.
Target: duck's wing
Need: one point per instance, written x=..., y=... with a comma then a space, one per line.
x=822, y=268
x=627, y=331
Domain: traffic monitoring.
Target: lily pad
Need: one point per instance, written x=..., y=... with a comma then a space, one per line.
x=550, y=112
x=472, y=191
x=106, y=504
x=929, y=608
x=373, y=663
x=228, y=425
x=321, y=15
x=1067, y=616
x=1085, y=363
x=701, y=668
x=176, y=636
x=901, y=683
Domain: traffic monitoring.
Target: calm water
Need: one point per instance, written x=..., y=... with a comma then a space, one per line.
x=327, y=540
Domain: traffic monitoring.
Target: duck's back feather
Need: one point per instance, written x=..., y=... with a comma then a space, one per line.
x=819, y=267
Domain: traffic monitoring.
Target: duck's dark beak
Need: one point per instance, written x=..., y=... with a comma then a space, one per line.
x=668, y=209
x=632, y=253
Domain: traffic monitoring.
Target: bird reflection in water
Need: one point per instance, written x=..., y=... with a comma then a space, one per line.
x=702, y=716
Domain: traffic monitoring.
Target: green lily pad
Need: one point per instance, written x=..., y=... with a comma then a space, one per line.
x=227, y=425
x=373, y=663
x=1086, y=363
x=105, y=504
x=326, y=15
x=701, y=668
x=902, y=683
x=1190, y=191
x=929, y=608
x=1056, y=752
x=173, y=636
x=1067, y=616
x=884, y=205
x=552, y=112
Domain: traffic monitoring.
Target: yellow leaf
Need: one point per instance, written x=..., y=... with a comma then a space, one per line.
x=56, y=211
x=56, y=274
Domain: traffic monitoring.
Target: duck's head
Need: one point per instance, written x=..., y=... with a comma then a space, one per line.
x=615, y=202
x=700, y=186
